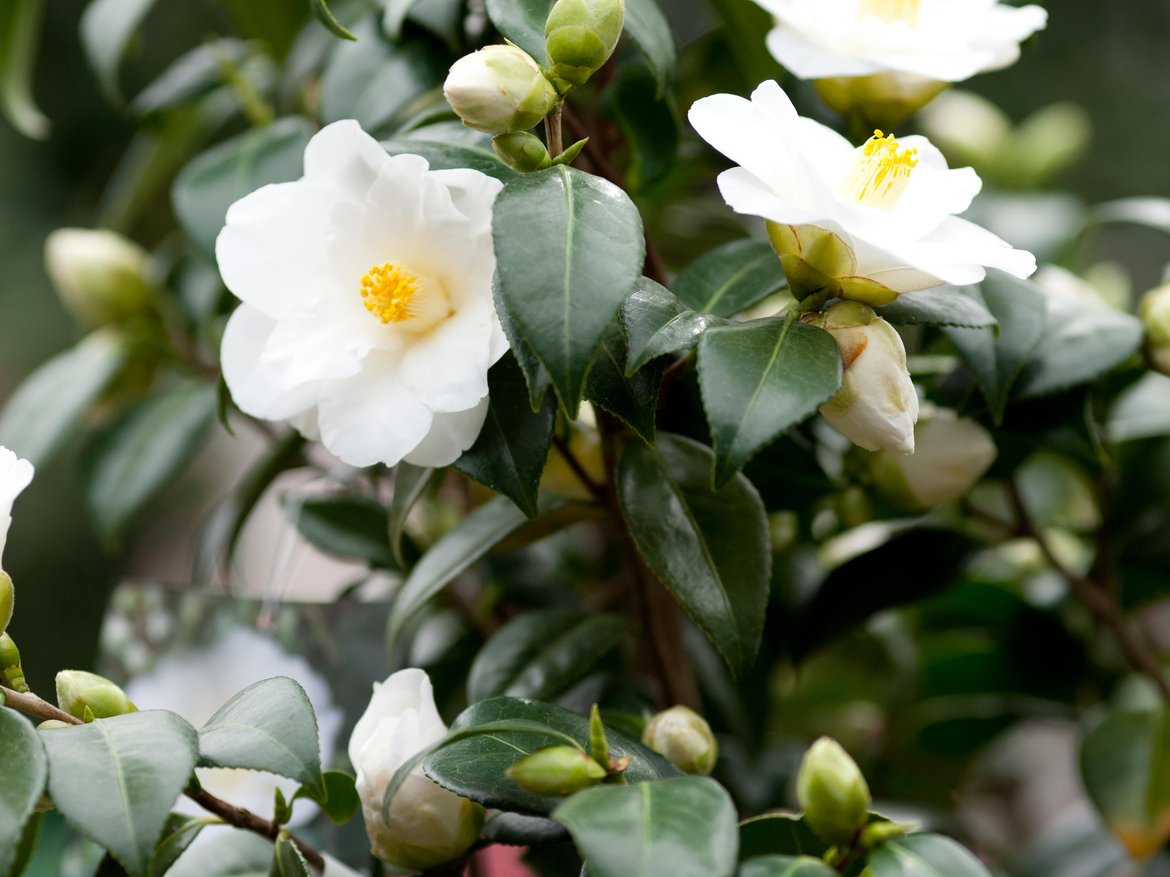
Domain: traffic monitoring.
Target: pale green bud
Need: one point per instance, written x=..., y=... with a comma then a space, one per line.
x=7, y=598
x=11, y=673
x=1155, y=314
x=832, y=792
x=87, y=696
x=881, y=100
x=581, y=35
x=556, y=771
x=100, y=276
x=499, y=90
x=818, y=262
x=522, y=151
x=52, y=724
x=685, y=738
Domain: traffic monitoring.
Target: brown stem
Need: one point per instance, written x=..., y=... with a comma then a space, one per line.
x=552, y=131
x=598, y=490
x=1097, y=600
x=34, y=707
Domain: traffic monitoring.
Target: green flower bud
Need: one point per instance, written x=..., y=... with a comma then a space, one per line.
x=11, y=673
x=522, y=151
x=87, y=696
x=556, y=771
x=685, y=738
x=881, y=100
x=581, y=35
x=832, y=792
x=7, y=597
x=499, y=90
x=818, y=262
x=100, y=276
x=1155, y=313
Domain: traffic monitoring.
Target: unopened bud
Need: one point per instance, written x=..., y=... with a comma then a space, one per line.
x=685, y=738
x=1155, y=314
x=52, y=724
x=876, y=407
x=11, y=673
x=522, y=151
x=7, y=598
x=87, y=696
x=581, y=35
x=100, y=276
x=877, y=833
x=556, y=771
x=818, y=262
x=832, y=792
x=499, y=90
x=880, y=100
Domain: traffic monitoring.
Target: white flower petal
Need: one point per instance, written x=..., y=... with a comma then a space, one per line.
x=253, y=386
x=15, y=475
x=343, y=156
x=451, y=434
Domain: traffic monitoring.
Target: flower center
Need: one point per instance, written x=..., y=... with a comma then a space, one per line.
x=890, y=11
x=881, y=172
x=387, y=292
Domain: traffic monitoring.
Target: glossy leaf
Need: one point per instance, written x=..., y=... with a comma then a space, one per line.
x=178, y=834
x=658, y=324
x=778, y=834
x=731, y=278
x=682, y=827
x=213, y=181
x=115, y=780
x=475, y=767
x=20, y=36
x=141, y=452
x=409, y=484
x=23, y=772
x=541, y=654
x=509, y=454
x=353, y=526
x=996, y=359
x=337, y=796
x=942, y=306
x=47, y=408
x=633, y=399
x=785, y=866
x=758, y=380
x=536, y=375
x=569, y=247
x=649, y=122
x=709, y=547
x=924, y=855
x=448, y=156
x=326, y=17
x=522, y=22
x=268, y=726
x=106, y=29
x=650, y=31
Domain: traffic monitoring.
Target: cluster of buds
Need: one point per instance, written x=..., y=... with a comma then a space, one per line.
x=503, y=91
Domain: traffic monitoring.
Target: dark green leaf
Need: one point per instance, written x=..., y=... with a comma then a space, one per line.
x=535, y=374
x=634, y=399
x=346, y=526
x=207, y=186
x=338, y=796
x=115, y=780
x=452, y=555
x=731, y=278
x=287, y=860
x=141, y=452
x=475, y=767
x=268, y=726
x=27, y=845
x=46, y=409
x=778, y=834
x=569, y=247
x=540, y=654
x=23, y=771
x=650, y=31
x=924, y=855
x=177, y=835
x=681, y=827
x=195, y=73
x=321, y=10
x=942, y=306
x=522, y=22
x=709, y=547
x=20, y=37
x=509, y=454
x=409, y=484
x=996, y=359
x=106, y=29
x=785, y=866
x=444, y=156
x=758, y=380
x=517, y=830
x=658, y=324
x=649, y=122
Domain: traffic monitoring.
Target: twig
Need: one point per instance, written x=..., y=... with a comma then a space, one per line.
x=34, y=707
x=598, y=490
x=552, y=131
x=1098, y=601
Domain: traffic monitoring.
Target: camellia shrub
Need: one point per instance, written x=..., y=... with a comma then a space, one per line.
x=726, y=490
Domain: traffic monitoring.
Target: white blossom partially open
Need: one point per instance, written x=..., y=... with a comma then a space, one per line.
x=428, y=825
x=15, y=475
x=943, y=40
x=367, y=319
x=869, y=222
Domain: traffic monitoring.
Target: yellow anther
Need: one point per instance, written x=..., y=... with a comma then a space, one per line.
x=881, y=172
x=387, y=291
x=890, y=11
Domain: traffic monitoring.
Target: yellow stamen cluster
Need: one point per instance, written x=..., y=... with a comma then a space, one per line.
x=387, y=291
x=881, y=173
x=890, y=11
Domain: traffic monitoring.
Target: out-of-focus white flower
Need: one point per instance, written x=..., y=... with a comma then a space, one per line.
x=15, y=475
x=367, y=319
x=941, y=40
x=876, y=407
x=951, y=454
x=865, y=223
x=195, y=683
x=428, y=825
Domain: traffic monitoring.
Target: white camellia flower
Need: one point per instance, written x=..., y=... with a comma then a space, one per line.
x=367, y=319
x=428, y=825
x=865, y=223
x=15, y=475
